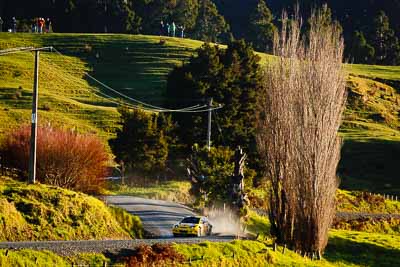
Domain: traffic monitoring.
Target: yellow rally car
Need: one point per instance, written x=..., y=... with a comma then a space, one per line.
x=193, y=226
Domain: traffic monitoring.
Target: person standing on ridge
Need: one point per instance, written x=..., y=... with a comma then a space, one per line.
x=41, y=24
x=168, y=29
x=14, y=24
x=173, y=29
x=183, y=31
x=162, y=28
x=33, y=25
x=48, y=25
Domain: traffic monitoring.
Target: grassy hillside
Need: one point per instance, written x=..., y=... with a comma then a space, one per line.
x=40, y=212
x=345, y=248
x=137, y=65
x=176, y=191
x=28, y=258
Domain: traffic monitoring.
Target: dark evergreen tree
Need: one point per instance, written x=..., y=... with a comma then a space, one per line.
x=119, y=16
x=154, y=11
x=359, y=50
x=185, y=14
x=210, y=25
x=141, y=143
x=232, y=78
x=385, y=42
x=261, y=28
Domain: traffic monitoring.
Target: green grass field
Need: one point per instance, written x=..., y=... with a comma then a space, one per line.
x=176, y=191
x=41, y=212
x=134, y=65
x=345, y=248
x=138, y=65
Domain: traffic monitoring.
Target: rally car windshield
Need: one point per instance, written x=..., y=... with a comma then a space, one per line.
x=191, y=220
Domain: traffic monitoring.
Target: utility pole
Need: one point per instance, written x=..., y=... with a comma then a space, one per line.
x=32, y=156
x=210, y=100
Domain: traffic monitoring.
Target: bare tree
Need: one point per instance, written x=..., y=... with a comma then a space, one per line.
x=299, y=118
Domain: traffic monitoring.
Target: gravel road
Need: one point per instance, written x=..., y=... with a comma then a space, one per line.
x=158, y=217
x=67, y=248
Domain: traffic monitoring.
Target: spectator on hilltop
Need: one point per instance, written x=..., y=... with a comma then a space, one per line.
x=14, y=24
x=173, y=28
x=41, y=25
x=48, y=25
x=182, y=29
x=162, y=28
x=168, y=29
x=34, y=25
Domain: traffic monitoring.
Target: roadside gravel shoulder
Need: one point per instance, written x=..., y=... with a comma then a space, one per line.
x=69, y=248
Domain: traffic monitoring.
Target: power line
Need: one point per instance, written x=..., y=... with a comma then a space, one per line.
x=139, y=107
x=130, y=98
x=140, y=104
x=146, y=106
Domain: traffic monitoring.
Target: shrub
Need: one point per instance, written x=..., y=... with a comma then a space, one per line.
x=64, y=158
x=212, y=172
x=142, y=143
x=156, y=255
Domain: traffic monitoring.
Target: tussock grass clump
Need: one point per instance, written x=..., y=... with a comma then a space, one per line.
x=40, y=212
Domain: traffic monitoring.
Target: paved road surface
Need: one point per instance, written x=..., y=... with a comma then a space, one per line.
x=158, y=217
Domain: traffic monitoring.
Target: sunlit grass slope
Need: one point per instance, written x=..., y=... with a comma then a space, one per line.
x=134, y=65
x=345, y=248
x=138, y=65
x=41, y=212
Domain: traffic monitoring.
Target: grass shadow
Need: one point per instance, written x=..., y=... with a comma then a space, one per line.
x=370, y=166
x=142, y=65
x=360, y=253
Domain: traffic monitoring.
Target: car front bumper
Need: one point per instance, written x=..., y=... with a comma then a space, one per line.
x=184, y=231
